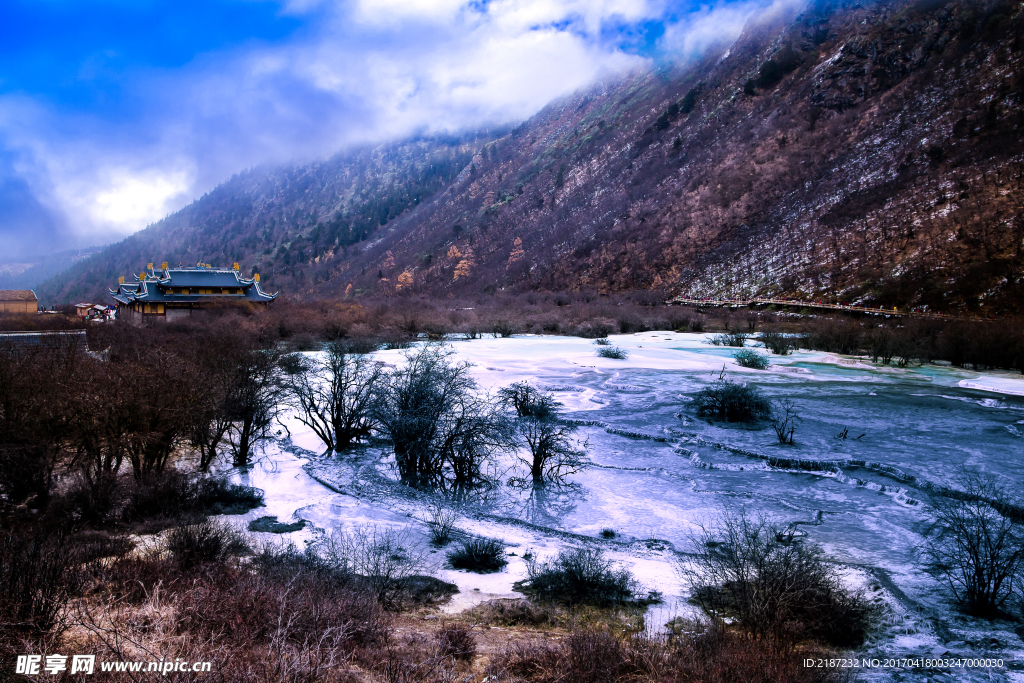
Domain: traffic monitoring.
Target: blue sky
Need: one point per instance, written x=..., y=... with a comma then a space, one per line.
x=114, y=113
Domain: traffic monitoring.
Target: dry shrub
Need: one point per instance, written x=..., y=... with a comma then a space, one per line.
x=291, y=619
x=172, y=494
x=415, y=658
x=131, y=578
x=596, y=655
x=519, y=612
x=38, y=574
x=248, y=607
x=204, y=541
x=584, y=656
x=269, y=637
x=442, y=524
x=43, y=572
x=384, y=562
x=717, y=655
x=711, y=655
x=779, y=588
x=455, y=640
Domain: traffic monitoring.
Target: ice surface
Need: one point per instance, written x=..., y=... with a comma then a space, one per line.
x=1014, y=386
x=658, y=470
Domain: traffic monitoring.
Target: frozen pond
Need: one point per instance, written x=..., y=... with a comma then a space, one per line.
x=657, y=469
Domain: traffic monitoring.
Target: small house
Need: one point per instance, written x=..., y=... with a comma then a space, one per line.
x=18, y=301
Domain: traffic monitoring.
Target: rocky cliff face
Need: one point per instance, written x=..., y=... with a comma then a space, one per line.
x=850, y=151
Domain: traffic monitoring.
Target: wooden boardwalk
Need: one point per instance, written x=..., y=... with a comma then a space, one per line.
x=823, y=306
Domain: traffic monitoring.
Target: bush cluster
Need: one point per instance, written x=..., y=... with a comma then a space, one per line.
x=204, y=541
x=269, y=524
x=612, y=352
x=777, y=587
x=748, y=358
x=732, y=402
x=580, y=576
x=736, y=339
x=173, y=493
x=481, y=555
x=976, y=345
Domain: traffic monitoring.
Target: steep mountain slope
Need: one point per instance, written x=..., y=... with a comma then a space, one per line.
x=861, y=152
x=849, y=151
x=284, y=222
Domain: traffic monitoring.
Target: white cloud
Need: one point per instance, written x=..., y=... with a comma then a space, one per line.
x=131, y=198
x=712, y=25
x=369, y=70
x=394, y=11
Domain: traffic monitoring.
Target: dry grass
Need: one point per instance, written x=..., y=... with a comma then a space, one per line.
x=275, y=623
x=714, y=655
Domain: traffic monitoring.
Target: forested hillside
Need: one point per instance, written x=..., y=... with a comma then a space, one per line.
x=286, y=223
x=849, y=151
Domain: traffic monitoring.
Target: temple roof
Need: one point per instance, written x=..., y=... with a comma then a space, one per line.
x=159, y=285
x=202, y=278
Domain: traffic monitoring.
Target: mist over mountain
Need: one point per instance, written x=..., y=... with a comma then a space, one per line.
x=29, y=271
x=851, y=151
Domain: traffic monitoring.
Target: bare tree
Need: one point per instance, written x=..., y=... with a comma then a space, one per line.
x=472, y=433
x=884, y=344
x=775, y=341
x=334, y=396
x=553, y=452
x=163, y=395
x=440, y=427
x=37, y=386
x=253, y=398
x=977, y=544
x=784, y=419
x=211, y=419
x=210, y=422
x=527, y=401
x=103, y=418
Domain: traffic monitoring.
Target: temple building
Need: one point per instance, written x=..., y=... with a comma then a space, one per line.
x=172, y=293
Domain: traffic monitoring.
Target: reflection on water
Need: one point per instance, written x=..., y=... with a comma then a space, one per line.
x=545, y=504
